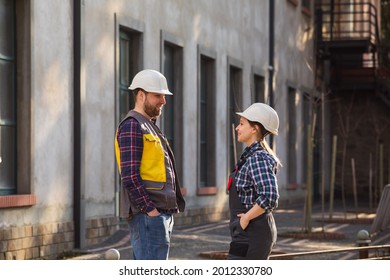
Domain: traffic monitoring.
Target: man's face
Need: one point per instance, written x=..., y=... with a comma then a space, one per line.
x=153, y=103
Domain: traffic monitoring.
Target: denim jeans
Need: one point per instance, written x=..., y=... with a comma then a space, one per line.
x=150, y=237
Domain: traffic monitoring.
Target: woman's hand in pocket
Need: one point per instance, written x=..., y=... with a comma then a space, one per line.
x=244, y=221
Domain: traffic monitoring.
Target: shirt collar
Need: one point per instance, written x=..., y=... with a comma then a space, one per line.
x=255, y=146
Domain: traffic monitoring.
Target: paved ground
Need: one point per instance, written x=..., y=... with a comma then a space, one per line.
x=211, y=241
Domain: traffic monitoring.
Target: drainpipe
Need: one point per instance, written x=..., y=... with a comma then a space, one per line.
x=78, y=189
x=271, y=59
x=271, y=53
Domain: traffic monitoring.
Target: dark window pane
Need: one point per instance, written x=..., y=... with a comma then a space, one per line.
x=7, y=98
x=259, y=91
x=7, y=28
x=7, y=92
x=124, y=100
x=124, y=61
x=306, y=4
x=207, y=124
x=168, y=115
x=129, y=64
x=7, y=159
x=235, y=95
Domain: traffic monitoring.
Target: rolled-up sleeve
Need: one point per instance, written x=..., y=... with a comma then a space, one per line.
x=265, y=182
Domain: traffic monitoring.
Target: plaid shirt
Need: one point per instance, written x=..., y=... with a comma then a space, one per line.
x=130, y=140
x=256, y=179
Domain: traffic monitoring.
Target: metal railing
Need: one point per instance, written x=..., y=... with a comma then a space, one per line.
x=347, y=21
x=382, y=251
x=352, y=21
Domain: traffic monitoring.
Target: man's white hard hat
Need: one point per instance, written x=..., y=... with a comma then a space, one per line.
x=150, y=81
x=264, y=114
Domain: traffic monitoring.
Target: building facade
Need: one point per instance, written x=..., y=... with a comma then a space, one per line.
x=65, y=67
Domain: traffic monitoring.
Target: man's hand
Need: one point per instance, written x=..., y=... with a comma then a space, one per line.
x=153, y=213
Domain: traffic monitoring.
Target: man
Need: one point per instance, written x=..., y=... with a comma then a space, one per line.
x=150, y=191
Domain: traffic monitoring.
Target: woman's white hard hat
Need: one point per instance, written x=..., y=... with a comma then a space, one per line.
x=264, y=114
x=150, y=81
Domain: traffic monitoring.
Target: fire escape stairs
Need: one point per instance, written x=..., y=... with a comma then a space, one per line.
x=348, y=37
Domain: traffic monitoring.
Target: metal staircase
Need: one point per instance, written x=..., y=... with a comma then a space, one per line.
x=348, y=37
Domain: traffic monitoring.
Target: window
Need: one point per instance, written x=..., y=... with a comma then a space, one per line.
x=206, y=118
x=7, y=98
x=172, y=116
x=129, y=61
x=129, y=64
x=292, y=138
x=15, y=107
x=306, y=7
x=235, y=105
x=258, y=88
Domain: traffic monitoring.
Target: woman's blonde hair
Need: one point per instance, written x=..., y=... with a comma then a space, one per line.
x=263, y=133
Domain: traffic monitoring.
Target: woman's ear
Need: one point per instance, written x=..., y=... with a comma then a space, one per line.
x=257, y=129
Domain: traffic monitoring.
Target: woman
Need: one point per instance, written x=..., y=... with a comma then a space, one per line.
x=253, y=190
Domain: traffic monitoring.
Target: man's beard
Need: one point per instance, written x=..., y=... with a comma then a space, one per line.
x=151, y=111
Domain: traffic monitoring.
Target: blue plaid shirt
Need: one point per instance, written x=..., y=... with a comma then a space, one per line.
x=256, y=179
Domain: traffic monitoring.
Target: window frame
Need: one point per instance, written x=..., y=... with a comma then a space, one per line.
x=175, y=84
x=23, y=195
x=125, y=24
x=135, y=38
x=292, y=110
x=257, y=96
x=208, y=56
x=235, y=67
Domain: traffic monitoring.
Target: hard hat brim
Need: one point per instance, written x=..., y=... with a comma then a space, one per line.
x=164, y=92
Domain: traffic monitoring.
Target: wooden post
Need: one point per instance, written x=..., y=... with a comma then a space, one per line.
x=354, y=186
x=309, y=181
x=370, y=184
x=332, y=176
x=381, y=182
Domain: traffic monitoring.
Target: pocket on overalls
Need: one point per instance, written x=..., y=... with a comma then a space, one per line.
x=239, y=245
x=237, y=232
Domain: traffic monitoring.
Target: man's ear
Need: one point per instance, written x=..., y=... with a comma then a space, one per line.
x=140, y=94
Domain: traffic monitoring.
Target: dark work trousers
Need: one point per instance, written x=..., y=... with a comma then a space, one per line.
x=257, y=240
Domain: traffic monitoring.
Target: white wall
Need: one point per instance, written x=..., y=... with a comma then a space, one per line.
x=51, y=112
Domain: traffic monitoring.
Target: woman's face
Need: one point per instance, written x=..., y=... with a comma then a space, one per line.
x=245, y=132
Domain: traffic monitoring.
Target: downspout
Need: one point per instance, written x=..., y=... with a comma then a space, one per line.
x=78, y=190
x=271, y=53
x=271, y=59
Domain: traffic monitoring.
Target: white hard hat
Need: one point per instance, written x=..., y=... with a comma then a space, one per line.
x=264, y=114
x=150, y=81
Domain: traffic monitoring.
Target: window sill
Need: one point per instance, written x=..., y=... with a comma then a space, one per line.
x=20, y=200
x=292, y=186
x=207, y=191
x=293, y=2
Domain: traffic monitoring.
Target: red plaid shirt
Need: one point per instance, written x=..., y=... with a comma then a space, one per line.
x=130, y=140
